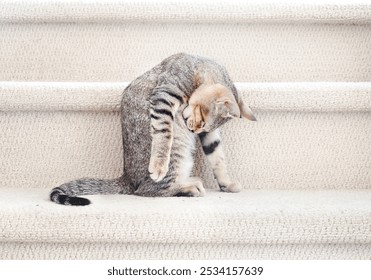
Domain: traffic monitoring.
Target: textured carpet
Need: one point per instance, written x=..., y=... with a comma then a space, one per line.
x=308, y=135
x=305, y=166
x=248, y=218
x=110, y=41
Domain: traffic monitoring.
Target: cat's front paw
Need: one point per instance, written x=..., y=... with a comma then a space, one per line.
x=231, y=187
x=158, y=169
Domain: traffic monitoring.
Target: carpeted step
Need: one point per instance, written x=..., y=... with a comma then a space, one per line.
x=250, y=218
x=115, y=41
x=308, y=135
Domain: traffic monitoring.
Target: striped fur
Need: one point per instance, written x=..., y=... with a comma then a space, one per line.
x=163, y=111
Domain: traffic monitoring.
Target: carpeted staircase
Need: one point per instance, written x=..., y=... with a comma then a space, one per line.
x=305, y=70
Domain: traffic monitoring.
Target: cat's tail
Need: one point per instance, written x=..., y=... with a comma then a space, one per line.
x=68, y=193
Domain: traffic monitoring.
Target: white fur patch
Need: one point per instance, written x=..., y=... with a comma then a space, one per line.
x=186, y=165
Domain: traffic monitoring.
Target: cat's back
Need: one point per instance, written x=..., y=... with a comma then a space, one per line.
x=181, y=66
x=140, y=88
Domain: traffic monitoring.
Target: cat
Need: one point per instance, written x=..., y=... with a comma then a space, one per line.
x=163, y=111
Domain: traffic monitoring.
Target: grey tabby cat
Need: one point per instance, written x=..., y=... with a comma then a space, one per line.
x=163, y=111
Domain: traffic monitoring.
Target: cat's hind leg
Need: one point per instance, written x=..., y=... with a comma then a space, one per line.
x=193, y=187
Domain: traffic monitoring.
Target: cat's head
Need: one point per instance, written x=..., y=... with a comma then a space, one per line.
x=212, y=105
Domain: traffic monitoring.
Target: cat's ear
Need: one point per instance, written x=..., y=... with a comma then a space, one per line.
x=227, y=107
x=245, y=111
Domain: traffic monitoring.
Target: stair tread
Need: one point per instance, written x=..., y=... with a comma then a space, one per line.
x=69, y=130
x=87, y=96
x=215, y=11
x=252, y=216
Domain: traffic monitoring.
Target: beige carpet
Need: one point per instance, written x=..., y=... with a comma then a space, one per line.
x=305, y=166
x=255, y=218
